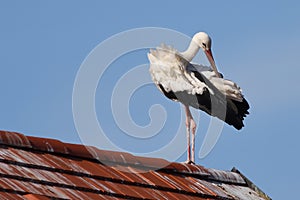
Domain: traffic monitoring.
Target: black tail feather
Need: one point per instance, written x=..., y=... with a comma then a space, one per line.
x=236, y=112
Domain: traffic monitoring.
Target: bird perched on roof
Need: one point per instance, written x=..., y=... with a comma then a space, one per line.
x=195, y=85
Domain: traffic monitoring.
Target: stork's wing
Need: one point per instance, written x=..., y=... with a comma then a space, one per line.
x=168, y=69
x=225, y=86
x=213, y=102
x=235, y=105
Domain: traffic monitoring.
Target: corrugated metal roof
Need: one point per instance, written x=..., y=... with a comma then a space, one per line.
x=39, y=168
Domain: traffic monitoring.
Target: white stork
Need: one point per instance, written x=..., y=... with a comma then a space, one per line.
x=196, y=85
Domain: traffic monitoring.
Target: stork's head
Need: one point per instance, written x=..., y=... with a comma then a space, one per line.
x=203, y=40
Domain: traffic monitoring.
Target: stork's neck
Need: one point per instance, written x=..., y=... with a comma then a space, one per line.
x=191, y=51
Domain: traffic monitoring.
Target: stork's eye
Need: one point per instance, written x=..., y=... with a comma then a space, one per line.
x=204, y=45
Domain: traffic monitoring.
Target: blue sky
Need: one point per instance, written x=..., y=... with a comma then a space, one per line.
x=43, y=45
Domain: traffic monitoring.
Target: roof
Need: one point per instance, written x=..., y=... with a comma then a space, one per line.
x=39, y=168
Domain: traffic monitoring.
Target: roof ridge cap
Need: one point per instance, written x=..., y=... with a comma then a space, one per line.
x=251, y=185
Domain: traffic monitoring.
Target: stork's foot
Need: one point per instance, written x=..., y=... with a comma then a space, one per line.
x=189, y=162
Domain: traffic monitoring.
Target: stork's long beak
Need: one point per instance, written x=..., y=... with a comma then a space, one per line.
x=212, y=61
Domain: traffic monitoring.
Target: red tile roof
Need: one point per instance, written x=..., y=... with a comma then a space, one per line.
x=38, y=168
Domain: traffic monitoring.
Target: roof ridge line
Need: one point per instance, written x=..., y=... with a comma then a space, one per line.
x=93, y=154
x=90, y=153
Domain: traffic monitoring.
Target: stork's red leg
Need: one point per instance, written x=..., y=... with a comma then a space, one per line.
x=190, y=124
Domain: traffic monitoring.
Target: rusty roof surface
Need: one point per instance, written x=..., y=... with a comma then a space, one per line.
x=39, y=168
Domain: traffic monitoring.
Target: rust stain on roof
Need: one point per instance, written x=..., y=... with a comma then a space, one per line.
x=37, y=168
